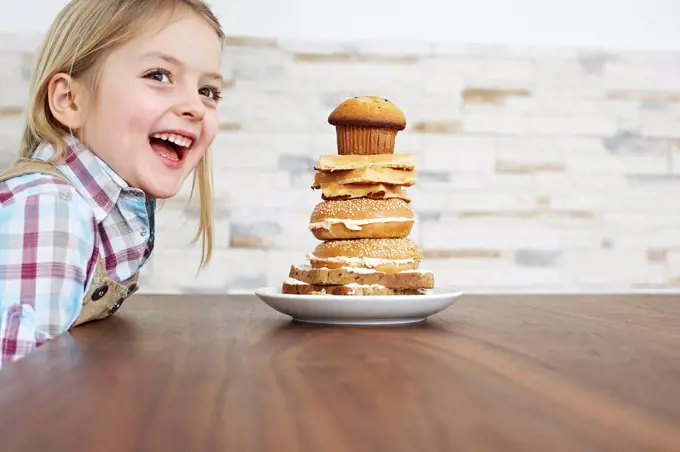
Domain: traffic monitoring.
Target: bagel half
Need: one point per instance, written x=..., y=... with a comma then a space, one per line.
x=384, y=255
x=361, y=218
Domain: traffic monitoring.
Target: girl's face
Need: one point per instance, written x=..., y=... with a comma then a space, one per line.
x=155, y=111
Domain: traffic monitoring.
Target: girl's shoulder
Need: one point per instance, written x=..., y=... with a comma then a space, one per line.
x=18, y=190
x=32, y=184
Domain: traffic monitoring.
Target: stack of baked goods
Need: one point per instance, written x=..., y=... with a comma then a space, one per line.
x=364, y=220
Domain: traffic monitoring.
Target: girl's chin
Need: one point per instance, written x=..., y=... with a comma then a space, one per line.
x=163, y=183
x=160, y=190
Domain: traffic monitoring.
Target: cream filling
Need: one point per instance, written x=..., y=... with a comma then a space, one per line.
x=295, y=282
x=359, y=270
x=362, y=270
x=355, y=225
x=367, y=271
x=369, y=262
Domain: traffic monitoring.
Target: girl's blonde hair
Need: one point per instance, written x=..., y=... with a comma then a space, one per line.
x=82, y=34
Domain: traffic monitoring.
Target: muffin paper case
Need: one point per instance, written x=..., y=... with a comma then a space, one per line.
x=365, y=140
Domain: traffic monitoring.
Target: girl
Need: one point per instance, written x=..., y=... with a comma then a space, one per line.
x=123, y=108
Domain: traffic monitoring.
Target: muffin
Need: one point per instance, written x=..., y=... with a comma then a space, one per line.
x=367, y=125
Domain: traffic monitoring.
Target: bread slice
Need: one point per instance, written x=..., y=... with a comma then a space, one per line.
x=300, y=288
x=336, y=162
x=370, y=175
x=410, y=279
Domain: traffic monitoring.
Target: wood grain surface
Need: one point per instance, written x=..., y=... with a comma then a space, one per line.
x=492, y=373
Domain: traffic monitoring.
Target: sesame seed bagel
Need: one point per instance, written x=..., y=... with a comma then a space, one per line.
x=385, y=255
x=361, y=218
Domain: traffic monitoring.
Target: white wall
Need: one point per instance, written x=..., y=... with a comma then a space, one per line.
x=546, y=169
x=632, y=24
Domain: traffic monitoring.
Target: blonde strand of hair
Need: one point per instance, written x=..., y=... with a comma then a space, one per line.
x=203, y=181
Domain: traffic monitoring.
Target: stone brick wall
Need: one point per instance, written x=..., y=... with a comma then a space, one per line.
x=537, y=167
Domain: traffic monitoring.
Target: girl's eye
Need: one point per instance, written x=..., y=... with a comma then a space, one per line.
x=160, y=75
x=211, y=92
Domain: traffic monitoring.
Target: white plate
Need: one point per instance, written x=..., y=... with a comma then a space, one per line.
x=358, y=310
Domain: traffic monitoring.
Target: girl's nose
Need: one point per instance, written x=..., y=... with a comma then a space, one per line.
x=192, y=107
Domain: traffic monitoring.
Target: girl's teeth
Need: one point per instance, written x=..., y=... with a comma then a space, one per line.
x=178, y=140
x=169, y=157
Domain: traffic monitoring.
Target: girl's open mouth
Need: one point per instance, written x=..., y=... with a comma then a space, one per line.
x=170, y=146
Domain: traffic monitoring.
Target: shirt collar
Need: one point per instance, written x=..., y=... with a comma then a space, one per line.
x=96, y=181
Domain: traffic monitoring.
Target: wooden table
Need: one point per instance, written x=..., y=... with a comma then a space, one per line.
x=492, y=373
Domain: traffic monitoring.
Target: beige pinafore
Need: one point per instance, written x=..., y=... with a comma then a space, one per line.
x=105, y=295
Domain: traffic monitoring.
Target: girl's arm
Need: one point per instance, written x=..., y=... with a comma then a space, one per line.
x=46, y=245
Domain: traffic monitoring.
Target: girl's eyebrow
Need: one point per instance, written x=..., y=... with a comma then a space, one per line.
x=172, y=60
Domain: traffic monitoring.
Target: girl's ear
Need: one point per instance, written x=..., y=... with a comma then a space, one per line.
x=66, y=98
